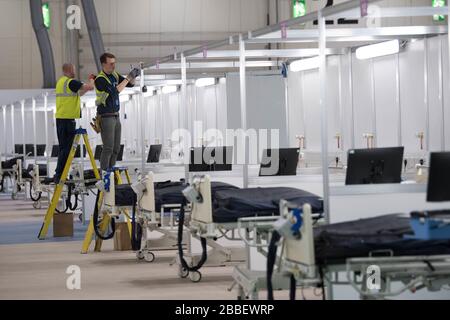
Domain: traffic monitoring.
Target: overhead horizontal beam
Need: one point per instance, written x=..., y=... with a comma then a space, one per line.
x=276, y=53
x=216, y=65
x=353, y=34
x=392, y=12
x=345, y=6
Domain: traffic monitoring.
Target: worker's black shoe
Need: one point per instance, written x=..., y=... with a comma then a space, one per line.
x=56, y=179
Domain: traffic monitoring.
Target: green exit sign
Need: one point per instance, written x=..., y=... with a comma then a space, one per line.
x=298, y=8
x=438, y=4
x=46, y=14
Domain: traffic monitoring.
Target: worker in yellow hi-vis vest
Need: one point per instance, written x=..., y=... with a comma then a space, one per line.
x=68, y=108
x=108, y=85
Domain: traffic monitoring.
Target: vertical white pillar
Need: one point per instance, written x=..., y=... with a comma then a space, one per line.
x=47, y=144
x=324, y=118
x=183, y=111
x=243, y=95
x=286, y=105
x=4, y=131
x=13, y=131
x=141, y=112
x=22, y=110
x=34, y=130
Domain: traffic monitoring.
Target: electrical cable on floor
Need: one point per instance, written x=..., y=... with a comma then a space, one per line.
x=136, y=229
x=293, y=287
x=271, y=258
x=180, y=243
x=95, y=222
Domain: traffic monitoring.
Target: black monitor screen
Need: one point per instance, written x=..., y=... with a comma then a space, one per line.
x=373, y=166
x=55, y=151
x=154, y=153
x=18, y=148
x=439, y=177
x=41, y=149
x=279, y=162
x=211, y=159
x=29, y=150
x=78, y=152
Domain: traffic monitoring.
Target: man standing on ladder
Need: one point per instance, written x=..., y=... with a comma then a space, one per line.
x=68, y=108
x=108, y=85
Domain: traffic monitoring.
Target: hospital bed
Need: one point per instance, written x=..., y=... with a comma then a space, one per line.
x=8, y=169
x=348, y=253
x=215, y=214
x=80, y=182
x=157, y=209
x=379, y=257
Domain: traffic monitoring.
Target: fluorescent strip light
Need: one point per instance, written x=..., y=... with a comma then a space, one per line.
x=203, y=82
x=378, y=50
x=304, y=64
x=169, y=89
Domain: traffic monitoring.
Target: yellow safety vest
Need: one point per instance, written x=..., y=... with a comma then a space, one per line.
x=103, y=95
x=68, y=104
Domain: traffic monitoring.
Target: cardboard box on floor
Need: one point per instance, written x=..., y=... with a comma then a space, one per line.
x=63, y=225
x=122, y=239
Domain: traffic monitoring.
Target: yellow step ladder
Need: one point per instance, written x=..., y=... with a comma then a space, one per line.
x=60, y=186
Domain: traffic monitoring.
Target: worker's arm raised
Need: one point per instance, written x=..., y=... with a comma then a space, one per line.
x=87, y=86
x=129, y=80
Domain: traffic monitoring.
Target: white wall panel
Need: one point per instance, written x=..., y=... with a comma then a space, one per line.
x=435, y=96
x=387, y=115
x=362, y=100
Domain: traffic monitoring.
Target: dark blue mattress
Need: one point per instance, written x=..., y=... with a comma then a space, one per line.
x=8, y=164
x=230, y=205
x=171, y=193
x=335, y=243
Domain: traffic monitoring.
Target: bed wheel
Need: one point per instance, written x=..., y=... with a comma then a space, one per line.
x=182, y=272
x=37, y=204
x=149, y=256
x=140, y=255
x=195, y=276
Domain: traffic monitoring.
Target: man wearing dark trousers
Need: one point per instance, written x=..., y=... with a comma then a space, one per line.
x=108, y=85
x=68, y=108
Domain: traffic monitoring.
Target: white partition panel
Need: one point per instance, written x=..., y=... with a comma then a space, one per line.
x=446, y=86
x=296, y=107
x=386, y=106
x=435, y=94
x=362, y=100
x=413, y=95
x=333, y=102
x=310, y=88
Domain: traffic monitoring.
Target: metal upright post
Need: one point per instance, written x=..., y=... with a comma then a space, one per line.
x=4, y=131
x=286, y=104
x=22, y=110
x=243, y=95
x=34, y=131
x=324, y=126
x=13, y=133
x=46, y=132
x=141, y=113
x=184, y=112
x=324, y=118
